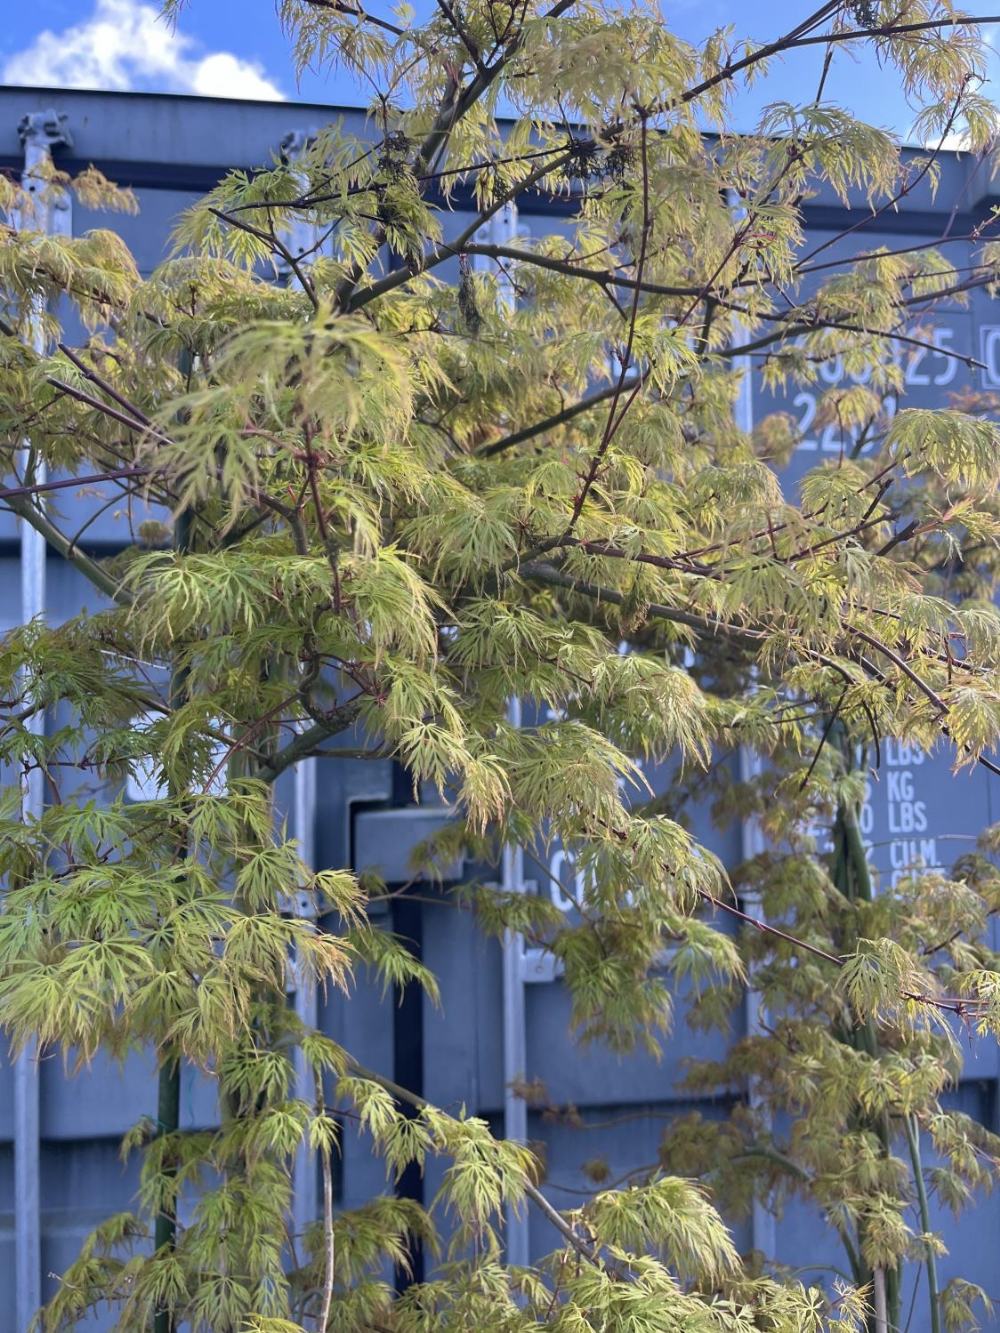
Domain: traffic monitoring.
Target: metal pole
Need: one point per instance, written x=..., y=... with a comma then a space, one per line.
x=763, y=1230
x=302, y=240
x=39, y=134
x=762, y=1223
x=304, y=1184
x=515, y=1040
x=502, y=229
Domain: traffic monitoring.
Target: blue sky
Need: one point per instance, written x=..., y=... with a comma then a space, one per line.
x=236, y=48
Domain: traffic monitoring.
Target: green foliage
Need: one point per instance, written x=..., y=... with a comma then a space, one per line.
x=397, y=503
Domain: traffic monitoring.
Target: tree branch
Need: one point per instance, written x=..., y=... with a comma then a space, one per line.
x=303, y=746
x=58, y=540
x=557, y=419
x=581, y=1246
x=356, y=12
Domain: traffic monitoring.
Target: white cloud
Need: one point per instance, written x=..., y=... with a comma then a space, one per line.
x=126, y=45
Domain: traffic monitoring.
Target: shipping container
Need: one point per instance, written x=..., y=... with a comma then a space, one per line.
x=501, y=1017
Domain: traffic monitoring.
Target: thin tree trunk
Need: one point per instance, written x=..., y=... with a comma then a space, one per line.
x=329, y=1241
x=913, y=1139
x=881, y=1320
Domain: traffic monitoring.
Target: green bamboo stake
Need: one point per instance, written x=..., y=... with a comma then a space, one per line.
x=852, y=875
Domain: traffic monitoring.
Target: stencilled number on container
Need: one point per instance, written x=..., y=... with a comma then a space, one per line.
x=935, y=366
x=833, y=438
x=564, y=876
